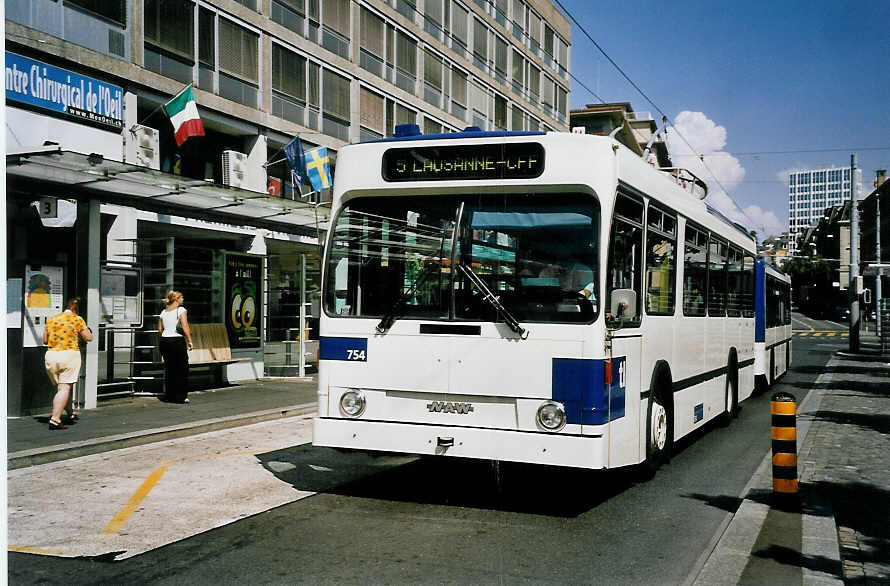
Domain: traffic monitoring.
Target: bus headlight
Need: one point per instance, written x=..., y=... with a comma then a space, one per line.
x=551, y=416
x=352, y=402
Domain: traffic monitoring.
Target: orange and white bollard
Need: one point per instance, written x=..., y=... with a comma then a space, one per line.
x=783, y=408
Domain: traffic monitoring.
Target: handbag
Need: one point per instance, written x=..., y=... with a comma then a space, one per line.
x=179, y=329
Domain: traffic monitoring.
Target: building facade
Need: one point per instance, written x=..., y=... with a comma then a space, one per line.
x=87, y=140
x=812, y=191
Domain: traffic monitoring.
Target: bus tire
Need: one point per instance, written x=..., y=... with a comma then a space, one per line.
x=659, y=422
x=731, y=392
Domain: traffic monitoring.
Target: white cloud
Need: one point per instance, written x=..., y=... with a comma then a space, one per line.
x=707, y=140
x=766, y=222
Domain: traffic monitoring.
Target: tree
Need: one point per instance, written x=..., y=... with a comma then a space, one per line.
x=812, y=283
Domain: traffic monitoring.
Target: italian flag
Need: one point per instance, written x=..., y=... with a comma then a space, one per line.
x=183, y=113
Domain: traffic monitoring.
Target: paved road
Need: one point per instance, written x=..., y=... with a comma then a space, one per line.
x=232, y=508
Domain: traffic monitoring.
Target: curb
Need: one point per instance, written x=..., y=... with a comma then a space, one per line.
x=45, y=455
x=727, y=561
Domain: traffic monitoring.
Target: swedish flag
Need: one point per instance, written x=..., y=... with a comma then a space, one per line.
x=318, y=167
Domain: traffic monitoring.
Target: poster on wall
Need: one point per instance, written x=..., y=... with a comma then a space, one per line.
x=243, y=302
x=44, y=298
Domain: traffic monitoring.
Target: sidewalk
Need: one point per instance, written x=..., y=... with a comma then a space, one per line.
x=839, y=530
x=120, y=423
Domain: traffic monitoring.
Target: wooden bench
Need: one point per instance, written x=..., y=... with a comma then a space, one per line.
x=210, y=346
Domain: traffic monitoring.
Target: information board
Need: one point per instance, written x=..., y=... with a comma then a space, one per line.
x=513, y=160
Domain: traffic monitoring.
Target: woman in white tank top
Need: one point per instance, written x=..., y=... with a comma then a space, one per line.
x=174, y=348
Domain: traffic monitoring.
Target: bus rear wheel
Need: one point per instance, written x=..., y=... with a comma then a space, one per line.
x=731, y=394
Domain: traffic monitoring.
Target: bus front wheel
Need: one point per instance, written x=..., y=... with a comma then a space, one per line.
x=659, y=431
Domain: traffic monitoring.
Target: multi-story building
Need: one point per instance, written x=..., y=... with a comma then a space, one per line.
x=810, y=192
x=635, y=130
x=86, y=135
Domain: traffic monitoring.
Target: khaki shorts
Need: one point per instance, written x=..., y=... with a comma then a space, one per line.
x=62, y=366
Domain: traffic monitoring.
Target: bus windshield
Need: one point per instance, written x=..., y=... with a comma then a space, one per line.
x=393, y=256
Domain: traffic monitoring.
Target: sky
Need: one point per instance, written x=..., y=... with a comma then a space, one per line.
x=740, y=80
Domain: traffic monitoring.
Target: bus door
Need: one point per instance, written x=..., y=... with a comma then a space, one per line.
x=624, y=402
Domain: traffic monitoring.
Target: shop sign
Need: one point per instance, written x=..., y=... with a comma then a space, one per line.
x=51, y=88
x=243, y=302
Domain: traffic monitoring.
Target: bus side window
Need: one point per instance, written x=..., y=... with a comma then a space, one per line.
x=661, y=262
x=695, y=272
x=626, y=255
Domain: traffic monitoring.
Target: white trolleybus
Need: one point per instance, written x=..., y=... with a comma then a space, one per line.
x=772, y=324
x=533, y=297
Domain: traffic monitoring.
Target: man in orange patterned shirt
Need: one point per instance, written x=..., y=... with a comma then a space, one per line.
x=62, y=334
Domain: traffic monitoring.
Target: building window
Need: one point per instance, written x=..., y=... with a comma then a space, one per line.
x=336, y=105
x=238, y=63
x=534, y=32
x=518, y=69
x=432, y=18
x=480, y=45
x=534, y=83
x=335, y=30
x=500, y=12
x=407, y=8
x=479, y=103
x=290, y=14
x=170, y=38
x=430, y=126
x=432, y=78
x=406, y=62
x=459, y=94
x=288, y=84
x=459, y=25
x=500, y=60
x=518, y=119
x=371, y=47
x=114, y=10
x=500, y=112
x=373, y=124
x=206, y=49
x=518, y=20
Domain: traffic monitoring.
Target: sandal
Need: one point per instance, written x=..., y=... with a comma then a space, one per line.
x=53, y=426
x=73, y=418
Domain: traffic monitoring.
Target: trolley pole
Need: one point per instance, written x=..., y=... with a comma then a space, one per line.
x=853, y=287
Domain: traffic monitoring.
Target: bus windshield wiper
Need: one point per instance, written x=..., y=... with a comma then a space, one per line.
x=390, y=316
x=494, y=301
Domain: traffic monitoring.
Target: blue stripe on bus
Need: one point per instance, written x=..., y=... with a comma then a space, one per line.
x=579, y=384
x=351, y=349
x=759, y=301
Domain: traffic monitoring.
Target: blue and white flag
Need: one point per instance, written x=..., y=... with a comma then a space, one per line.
x=318, y=167
x=296, y=161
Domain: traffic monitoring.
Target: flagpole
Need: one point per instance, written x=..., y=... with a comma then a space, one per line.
x=152, y=113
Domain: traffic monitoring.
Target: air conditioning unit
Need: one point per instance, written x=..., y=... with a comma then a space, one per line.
x=234, y=168
x=142, y=147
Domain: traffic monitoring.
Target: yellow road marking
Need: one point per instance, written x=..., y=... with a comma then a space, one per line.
x=804, y=334
x=37, y=550
x=124, y=514
x=817, y=334
x=121, y=518
x=831, y=334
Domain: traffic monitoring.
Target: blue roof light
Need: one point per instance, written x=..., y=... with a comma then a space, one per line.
x=403, y=130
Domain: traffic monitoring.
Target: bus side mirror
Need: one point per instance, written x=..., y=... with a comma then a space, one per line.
x=624, y=304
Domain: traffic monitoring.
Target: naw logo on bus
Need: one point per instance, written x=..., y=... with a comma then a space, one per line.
x=449, y=407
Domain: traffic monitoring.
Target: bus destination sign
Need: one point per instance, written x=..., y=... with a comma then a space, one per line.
x=515, y=160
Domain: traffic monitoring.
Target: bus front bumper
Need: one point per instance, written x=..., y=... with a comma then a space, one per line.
x=462, y=442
